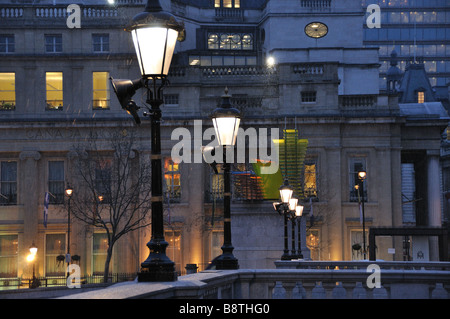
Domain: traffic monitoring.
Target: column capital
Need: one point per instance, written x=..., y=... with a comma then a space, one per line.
x=431, y=153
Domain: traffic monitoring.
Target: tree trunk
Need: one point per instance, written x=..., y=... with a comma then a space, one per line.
x=108, y=260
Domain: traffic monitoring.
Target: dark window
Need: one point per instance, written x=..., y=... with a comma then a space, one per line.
x=100, y=42
x=53, y=43
x=56, y=185
x=309, y=96
x=8, y=183
x=7, y=44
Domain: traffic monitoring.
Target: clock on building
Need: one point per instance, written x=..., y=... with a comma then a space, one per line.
x=316, y=30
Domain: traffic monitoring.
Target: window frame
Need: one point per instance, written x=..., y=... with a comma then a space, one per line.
x=308, y=97
x=353, y=178
x=9, y=47
x=49, y=106
x=9, y=105
x=58, y=198
x=54, y=45
x=172, y=191
x=96, y=103
x=11, y=256
x=102, y=44
x=5, y=199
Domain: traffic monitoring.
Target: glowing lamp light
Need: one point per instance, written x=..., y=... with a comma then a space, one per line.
x=226, y=120
x=299, y=210
x=362, y=175
x=286, y=192
x=293, y=204
x=155, y=34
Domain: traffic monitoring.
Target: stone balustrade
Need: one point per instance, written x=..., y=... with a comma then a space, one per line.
x=341, y=280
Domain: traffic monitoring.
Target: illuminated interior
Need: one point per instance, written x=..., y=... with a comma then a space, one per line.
x=54, y=88
x=100, y=88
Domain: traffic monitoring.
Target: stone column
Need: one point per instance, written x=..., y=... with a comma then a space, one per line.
x=29, y=197
x=434, y=200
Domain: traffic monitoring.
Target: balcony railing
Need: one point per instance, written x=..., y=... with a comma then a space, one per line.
x=319, y=5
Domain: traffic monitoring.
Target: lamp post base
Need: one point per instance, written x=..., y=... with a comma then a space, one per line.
x=286, y=256
x=226, y=262
x=157, y=267
x=157, y=273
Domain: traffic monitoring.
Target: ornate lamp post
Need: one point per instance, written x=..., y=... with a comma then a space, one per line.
x=283, y=208
x=226, y=120
x=361, y=177
x=69, y=193
x=154, y=34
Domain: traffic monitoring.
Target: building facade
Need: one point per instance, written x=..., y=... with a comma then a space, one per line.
x=55, y=92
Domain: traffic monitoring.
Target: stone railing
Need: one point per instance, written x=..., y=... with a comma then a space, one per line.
x=308, y=68
x=356, y=101
x=221, y=71
x=229, y=13
x=318, y=5
x=11, y=12
x=348, y=281
x=86, y=12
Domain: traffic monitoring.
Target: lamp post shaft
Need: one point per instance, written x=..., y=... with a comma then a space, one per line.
x=294, y=253
x=285, y=255
x=363, y=218
x=157, y=267
x=227, y=259
x=299, y=244
x=68, y=236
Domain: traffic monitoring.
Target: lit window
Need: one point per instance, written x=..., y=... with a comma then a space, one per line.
x=55, y=246
x=230, y=41
x=100, y=42
x=310, y=188
x=7, y=43
x=54, y=85
x=53, y=43
x=9, y=248
x=172, y=177
x=100, y=81
x=420, y=97
x=99, y=252
x=7, y=91
x=227, y=3
x=173, y=251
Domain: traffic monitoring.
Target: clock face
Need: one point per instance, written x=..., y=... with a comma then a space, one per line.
x=316, y=30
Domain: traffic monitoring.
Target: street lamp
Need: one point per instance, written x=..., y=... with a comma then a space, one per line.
x=361, y=177
x=69, y=193
x=286, y=192
x=283, y=208
x=32, y=258
x=226, y=120
x=298, y=215
x=154, y=33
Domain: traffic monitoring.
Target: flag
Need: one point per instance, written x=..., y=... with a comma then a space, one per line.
x=46, y=201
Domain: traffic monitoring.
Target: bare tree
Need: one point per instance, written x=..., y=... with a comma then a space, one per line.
x=112, y=186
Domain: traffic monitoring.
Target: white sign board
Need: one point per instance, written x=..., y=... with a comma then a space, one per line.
x=420, y=248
